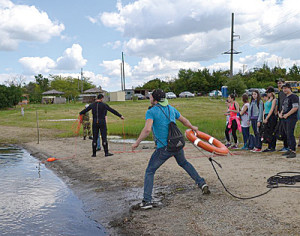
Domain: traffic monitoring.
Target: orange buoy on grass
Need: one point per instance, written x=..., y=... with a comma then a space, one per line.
x=50, y=159
x=211, y=145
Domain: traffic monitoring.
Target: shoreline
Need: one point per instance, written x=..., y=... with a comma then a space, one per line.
x=110, y=187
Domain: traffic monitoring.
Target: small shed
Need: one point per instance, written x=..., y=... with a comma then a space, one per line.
x=90, y=95
x=118, y=96
x=53, y=97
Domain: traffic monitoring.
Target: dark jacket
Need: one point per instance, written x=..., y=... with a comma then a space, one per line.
x=99, y=111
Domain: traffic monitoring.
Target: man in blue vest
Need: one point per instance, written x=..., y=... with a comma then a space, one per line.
x=159, y=124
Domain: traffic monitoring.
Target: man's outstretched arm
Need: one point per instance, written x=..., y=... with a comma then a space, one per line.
x=144, y=134
x=187, y=123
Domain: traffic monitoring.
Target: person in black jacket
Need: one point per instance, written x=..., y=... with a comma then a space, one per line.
x=99, y=111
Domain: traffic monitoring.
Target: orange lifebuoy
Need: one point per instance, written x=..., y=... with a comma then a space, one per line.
x=211, y=145
x=50, y=159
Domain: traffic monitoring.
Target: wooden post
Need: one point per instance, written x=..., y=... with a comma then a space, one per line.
x=37, y=126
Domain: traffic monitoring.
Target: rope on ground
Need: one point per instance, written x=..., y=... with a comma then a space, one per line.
x=276, y=181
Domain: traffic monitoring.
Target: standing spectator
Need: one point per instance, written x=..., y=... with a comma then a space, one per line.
x=270, y=120
x=86, y=125
x=255, y=116
x=244, y=121
x=281, y=97
x=289, y=114
x=233, y=123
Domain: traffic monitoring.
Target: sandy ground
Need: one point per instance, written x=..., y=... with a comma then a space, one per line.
x=110, y=187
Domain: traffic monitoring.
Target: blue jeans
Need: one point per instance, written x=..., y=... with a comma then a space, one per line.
x=157, y=159
x=246, y=133
x=258, y=143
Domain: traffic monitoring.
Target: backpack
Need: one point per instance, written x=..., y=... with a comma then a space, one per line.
x=175, y=138
x=251, y=141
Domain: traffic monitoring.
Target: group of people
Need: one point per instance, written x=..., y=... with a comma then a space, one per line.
x=158, y=118
x=271, y=118
x=262, y=116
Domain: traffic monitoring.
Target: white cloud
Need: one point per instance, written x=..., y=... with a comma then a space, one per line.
x=199, y=30
x=113, y=68
x=37, y=64
x=145, y=70
x=24, y=23
x=72, y=59
x=114, y=45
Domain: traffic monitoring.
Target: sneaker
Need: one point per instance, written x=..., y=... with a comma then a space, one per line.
x=234, y=147
x=256, y=150
x=90, y=137
x=291, y=155
x=267, y=150
x=94, y=155
x=108, y=154
x=228, y=145
x=286, y=153
x=253, y=150
x=146, y=205
x=205, y=189
x=283, y=149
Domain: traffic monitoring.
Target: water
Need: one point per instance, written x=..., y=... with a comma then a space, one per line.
x=38, y=203
x=119, y=139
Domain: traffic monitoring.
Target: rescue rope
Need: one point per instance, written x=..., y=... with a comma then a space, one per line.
x=276, y=181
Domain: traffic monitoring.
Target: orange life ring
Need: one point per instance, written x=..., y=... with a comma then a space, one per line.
x=211, y=145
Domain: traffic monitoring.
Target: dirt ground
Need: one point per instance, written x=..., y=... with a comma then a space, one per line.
x=110, y=188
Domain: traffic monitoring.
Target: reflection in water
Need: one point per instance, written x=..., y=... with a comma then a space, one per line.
x=33, y=203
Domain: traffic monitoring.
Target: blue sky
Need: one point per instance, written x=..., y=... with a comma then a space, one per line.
x=158, y=37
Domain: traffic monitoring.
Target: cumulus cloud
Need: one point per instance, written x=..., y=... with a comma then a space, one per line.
x=199, y=30
x=25, y=23
x=146, y=69
x=71, y=59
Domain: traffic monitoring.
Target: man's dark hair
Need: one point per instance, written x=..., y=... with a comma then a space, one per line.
x=100, y=96
x=287, y=85
x=158, y=95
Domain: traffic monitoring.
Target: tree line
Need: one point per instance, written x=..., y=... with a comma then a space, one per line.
x=196, y=81
x=204, y=81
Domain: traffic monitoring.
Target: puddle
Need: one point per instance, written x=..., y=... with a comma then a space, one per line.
x=38, y=203
x=119, y=139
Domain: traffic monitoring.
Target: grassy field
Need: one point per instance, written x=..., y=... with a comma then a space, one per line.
x=206, y=113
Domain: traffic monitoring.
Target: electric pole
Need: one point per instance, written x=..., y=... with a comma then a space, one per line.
x=123, y=72
x=232, y=51
x=121, y=66
x=81, y=73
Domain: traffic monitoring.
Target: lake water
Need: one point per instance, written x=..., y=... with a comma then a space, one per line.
x=34, y=201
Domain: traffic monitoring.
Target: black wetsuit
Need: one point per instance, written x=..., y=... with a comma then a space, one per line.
x=99, y=111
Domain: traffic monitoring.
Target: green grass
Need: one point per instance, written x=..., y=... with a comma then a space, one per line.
x=206, y=113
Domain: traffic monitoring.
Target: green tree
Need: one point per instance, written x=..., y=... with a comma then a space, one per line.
x=236, y=85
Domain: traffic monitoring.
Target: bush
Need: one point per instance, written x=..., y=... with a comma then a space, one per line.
x=9, y=96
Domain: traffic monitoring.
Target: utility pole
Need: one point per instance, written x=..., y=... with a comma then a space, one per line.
x=123, y=72
x=232, y=51
x=121, y=66
x=81, y=73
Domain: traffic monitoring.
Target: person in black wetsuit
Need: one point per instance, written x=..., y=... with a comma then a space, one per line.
x=99, y=111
